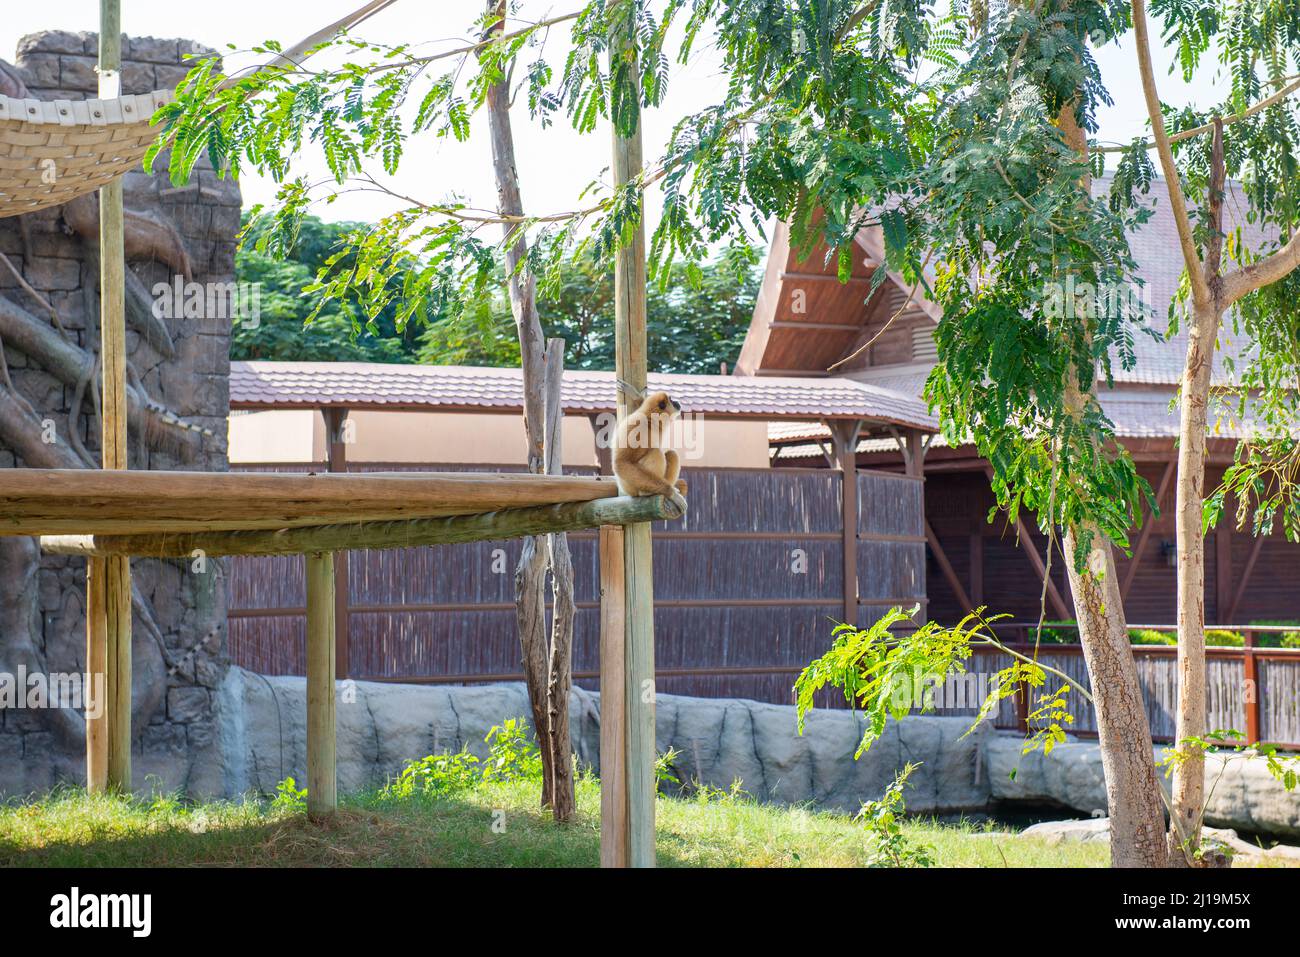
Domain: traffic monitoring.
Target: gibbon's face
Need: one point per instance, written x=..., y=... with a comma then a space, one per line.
x=660, y=408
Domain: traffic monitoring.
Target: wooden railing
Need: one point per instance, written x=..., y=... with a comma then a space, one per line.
x=1252, y=689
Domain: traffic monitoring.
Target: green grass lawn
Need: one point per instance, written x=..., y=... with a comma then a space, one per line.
x=69, y=828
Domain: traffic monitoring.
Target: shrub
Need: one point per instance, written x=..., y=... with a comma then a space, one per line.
x=512, y=756
x=1149, y=636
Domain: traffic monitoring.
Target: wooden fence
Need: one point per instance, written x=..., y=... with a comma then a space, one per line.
x=747, y=589
x=1254, y=690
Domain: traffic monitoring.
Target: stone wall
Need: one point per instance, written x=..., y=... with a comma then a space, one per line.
x=720, y=740
x=175, y=679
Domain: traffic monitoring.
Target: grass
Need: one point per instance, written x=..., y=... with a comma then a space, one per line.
x=69, y=828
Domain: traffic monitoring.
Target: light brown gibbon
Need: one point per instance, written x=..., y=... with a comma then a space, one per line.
x=641, y=463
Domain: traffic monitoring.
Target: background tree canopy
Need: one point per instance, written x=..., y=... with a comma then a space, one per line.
x=696, y=317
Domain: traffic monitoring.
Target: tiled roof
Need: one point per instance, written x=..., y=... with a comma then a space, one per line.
x=1154, y=246
x=285, y=385
x=1135, y=414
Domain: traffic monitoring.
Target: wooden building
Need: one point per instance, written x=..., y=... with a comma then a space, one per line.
x=806, y=320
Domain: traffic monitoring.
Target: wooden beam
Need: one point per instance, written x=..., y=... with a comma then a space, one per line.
x=630, y=367
x=93, y=502
x=1245, y=579
x=486, y=526
x=337, y=451
x=613, y=708
x=1148, y=526
x=97, y=671
x=115, y=574
x=945, y=566
x=814, y=326
x=821, y=277
x=322, y=773
x=1250, y=682
x=977, y=568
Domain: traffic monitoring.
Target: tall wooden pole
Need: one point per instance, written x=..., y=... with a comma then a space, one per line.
x=337, y=451
x=108, y=580
x=613, y=709
x=630, y=367
x=322, y=774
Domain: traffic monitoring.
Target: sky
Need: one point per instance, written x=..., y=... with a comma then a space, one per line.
x=555, y=164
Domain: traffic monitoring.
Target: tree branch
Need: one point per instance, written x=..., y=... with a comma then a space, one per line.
x=1292, y=84
x=1191, y=259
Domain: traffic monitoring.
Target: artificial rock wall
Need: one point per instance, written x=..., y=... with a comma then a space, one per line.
x=180, y=652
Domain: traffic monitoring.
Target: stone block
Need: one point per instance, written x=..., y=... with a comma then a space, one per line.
x=78, y=73
x=187, y=704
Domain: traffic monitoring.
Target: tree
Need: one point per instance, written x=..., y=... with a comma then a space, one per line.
x=1252, y=138
x=339, y=331
x=696, y=320
x=970, y=171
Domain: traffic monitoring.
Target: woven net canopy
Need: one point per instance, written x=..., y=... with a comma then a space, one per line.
x=52, y=151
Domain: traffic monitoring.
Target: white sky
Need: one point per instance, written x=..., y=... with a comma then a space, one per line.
x=554, y=164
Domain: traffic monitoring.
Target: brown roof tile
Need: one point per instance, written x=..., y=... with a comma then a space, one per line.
x=282, y=385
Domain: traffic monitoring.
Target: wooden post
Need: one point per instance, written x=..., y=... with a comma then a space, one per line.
x=322, y=781
x=630, y=368
x=108, y=580
x=97, y=671
x=1250, y=687
x=337, y=449
x=613, y=713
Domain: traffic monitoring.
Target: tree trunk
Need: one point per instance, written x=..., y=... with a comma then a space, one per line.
x=559, y=677
x=1133, y=797
x=547, y=687
x=1189, y=775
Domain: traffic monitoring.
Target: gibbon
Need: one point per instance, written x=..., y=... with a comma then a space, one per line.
x=641, y=464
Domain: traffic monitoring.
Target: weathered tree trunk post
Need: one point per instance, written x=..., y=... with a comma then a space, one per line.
x=109, y=579
x=538, y=554
x=630, y=368
x=559, y=678
x=322, y=776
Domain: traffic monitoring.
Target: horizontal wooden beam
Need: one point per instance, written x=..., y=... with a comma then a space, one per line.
x=822, y=277
x=92, y=502
x=487, y=526
x=814, y=326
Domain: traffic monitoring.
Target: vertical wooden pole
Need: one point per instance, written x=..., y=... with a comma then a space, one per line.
x=613, y=713
x=97, y=671
x=630, y=367
x=111, y=576
x=337, y=451
x=1250, y=687
x=322, y=781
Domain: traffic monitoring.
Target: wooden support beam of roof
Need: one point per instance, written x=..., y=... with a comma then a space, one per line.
x=814, y=326
x=457, y=529
x=821, y=277
x=87, y=502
